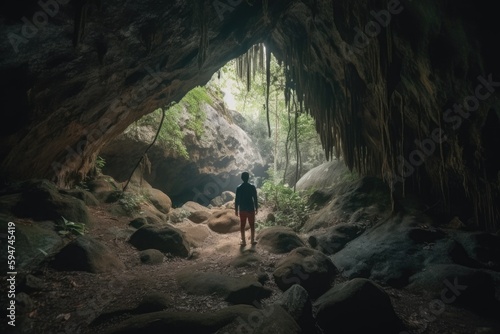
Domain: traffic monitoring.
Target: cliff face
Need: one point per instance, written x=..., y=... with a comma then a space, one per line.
x=405, y=90
x=216, y=157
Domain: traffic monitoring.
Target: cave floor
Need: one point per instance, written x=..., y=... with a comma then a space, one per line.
x=71, y=300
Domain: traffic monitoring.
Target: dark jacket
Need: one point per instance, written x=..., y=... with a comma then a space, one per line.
x=246, y=197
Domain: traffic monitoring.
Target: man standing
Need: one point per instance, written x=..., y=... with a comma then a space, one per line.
x=247, y=205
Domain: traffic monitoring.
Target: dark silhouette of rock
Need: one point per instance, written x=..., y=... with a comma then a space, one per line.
x=233, y=319
x=41, y=200
x=333, y=239
x=242, y=290
x=297, y=303
x=313, y=270
x=279, y=239
x=166, y=239
x=357, y=306
x=86, y=254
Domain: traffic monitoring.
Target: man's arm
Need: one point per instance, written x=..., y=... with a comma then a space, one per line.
x=255, y=199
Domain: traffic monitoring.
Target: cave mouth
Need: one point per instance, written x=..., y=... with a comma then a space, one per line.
x=196, y=149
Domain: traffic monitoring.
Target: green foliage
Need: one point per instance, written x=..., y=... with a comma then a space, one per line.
x=131, y=202
x=99, y=164
x=66, y=227
x=171, y=135
x=291, y=208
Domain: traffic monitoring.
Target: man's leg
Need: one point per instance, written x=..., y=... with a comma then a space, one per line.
x=243, y=218
x=251, y=222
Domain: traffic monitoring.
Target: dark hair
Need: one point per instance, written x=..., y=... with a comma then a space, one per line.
x=245, y=176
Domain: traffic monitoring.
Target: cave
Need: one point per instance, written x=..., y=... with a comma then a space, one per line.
x=404, y=92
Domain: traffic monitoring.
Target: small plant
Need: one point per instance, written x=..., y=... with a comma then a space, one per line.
x=130, y=202
x=99, y=164
x=66, y=227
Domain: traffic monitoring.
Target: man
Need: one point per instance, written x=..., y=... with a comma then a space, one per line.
x=247, y=205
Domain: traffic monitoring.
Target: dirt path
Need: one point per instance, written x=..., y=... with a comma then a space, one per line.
x=71, y=300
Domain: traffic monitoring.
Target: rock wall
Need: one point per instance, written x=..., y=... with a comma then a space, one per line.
x=405, y=90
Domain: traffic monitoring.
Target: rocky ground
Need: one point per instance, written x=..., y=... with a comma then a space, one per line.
x=70, y=302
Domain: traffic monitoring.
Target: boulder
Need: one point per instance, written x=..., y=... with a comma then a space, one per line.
x=41, y=200
x=195, y=234
x=87, y=254
x=159, y=199
x=357, y=306
x=166, y=239
x=151, y=256
x=297, y=303
x=313, y=270
x=333, y=239
x=279, y=239
x=352, y=201
x=191, y=207
x=225, y=221
x=476, y=289
x=102, y=186
x=86, y=196
x=241, y=290
x=199, y=216
x=35, y=242
x=232, y=319
x=152, y=302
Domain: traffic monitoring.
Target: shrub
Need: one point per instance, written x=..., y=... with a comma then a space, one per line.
x=291, y=208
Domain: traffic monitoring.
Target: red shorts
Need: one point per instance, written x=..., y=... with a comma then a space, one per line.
x=250, y=215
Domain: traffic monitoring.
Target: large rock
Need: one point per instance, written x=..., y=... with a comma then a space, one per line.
x=166, y=239
x=308, y=267
x=87, y=254
x=35, y=242
x=41, y=200
x=86, y=196
x=195, y=234
x=351, y=200
x=279, y=239
x=357, y=306
x=225, y=221
x=477, y=289
x=159, y=199
x=153, y=302
x=297, y=303
x=241, y=290
x=406, y=244
x=334, y=238
x=233, y=319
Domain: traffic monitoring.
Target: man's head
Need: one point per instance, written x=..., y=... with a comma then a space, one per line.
x=245, y=176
